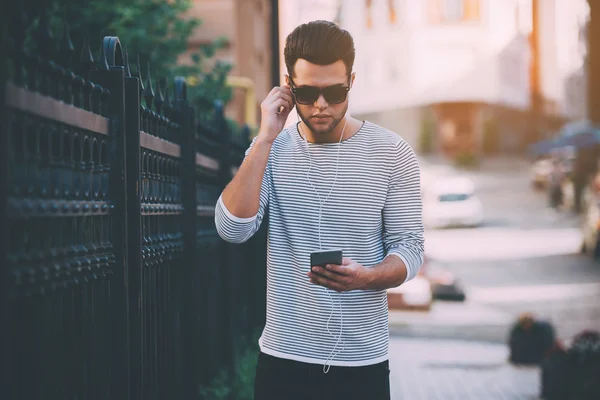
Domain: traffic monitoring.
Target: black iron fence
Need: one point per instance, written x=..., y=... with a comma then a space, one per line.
x=115, y=282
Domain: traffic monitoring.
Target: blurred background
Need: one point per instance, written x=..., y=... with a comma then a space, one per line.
x=499, y=98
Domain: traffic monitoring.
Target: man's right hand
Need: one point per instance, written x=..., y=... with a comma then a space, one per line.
x=273, y=121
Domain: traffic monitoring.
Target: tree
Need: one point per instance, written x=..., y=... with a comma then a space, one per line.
x=156, y=31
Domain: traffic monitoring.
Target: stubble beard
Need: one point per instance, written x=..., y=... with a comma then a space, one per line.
x=327, y=129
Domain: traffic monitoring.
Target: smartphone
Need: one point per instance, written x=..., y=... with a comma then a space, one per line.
x=323, y=257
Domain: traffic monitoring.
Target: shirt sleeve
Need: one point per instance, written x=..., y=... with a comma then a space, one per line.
x=234, y=229
x=403, y=234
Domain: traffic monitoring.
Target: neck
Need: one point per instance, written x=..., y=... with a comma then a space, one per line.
x=352, y=126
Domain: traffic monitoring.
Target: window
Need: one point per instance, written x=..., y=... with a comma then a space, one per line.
x=442, y=11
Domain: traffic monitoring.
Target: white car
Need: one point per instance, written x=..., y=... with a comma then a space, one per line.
x=452, y=202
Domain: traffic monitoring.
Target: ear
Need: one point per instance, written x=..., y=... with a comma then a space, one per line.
x=352, y=77
x=287, y=79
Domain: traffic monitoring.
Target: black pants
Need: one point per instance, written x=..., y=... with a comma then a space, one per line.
x=282, y=379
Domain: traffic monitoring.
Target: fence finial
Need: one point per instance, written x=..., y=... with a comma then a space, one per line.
x=103, y=62
x=67, y=50
x=160, y=100
x=148, y=91
x=126, y=62
x=86, y=58
x=139, y=75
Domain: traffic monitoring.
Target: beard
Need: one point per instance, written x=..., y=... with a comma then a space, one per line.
x=323, y=129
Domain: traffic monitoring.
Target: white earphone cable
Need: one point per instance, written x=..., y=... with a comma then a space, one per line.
x=321, y=204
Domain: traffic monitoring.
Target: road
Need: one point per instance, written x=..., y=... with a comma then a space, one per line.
x=525, y=257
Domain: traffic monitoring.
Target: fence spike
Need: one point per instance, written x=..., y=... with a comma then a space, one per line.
x=126, y=63
x=139, y=75
x=103, y=62
x=160, y=100
x=67, y=50
x=86, y=58
x=148, y=91
x=167, y=90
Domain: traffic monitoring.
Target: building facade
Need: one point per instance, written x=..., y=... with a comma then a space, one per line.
x=454, y=76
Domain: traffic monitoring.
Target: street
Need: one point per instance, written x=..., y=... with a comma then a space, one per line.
x=525, y=257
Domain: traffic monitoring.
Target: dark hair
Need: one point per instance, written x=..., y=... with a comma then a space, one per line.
x=321, y=43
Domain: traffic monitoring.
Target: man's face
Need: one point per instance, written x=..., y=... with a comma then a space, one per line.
x=321, y=117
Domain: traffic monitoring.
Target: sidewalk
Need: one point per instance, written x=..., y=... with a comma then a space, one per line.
x=449, y=320
x=432, y=369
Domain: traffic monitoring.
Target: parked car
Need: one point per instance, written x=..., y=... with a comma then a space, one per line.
x=452, y=202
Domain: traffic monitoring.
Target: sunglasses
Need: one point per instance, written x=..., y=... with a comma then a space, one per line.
x=307, y=95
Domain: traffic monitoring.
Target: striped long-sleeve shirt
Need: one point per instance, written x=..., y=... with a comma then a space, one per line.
x=373, y=211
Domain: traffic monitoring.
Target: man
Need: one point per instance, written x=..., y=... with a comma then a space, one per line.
x=329, y=181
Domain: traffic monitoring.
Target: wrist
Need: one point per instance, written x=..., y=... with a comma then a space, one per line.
x=369, y=277
x=266, y=137
x=264, y=141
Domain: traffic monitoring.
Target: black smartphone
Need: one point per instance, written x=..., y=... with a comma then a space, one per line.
x=323, y=257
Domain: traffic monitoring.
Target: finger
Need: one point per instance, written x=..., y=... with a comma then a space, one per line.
x=288, y=106
x=347, y=261
x=288, y=97
x=325, y=282
x=329, y=274
x=338, y=269
x=276, y=106
x=278, y=90
x=279, y=95
x=273, y=91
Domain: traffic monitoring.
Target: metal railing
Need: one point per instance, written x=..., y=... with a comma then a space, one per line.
x=115, y=282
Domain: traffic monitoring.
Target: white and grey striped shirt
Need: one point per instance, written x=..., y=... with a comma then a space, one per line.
x=374, y=210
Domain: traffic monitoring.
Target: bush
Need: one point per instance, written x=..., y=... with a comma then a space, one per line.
x=157, y=31
x=237, y=384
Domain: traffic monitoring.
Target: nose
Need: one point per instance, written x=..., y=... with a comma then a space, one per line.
x=321, y=103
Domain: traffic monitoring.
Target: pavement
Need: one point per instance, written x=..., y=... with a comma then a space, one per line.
x=525, y=257
x=457, y=370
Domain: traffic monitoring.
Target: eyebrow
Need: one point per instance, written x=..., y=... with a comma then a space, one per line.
x=319, y=87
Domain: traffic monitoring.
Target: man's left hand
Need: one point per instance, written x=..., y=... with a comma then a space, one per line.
x=341, y=278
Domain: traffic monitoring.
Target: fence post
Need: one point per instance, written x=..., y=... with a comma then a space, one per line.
x=134, y=239
x=188, y=187
x=5, y=369
x=111, y=75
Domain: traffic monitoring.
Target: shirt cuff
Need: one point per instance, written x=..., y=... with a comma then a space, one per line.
x=410, y=271
x=232, y=217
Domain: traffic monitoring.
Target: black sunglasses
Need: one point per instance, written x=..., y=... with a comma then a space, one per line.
x=307, y=95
